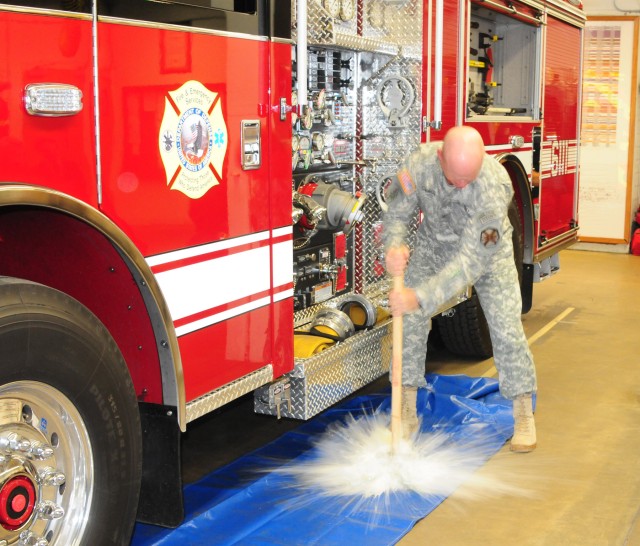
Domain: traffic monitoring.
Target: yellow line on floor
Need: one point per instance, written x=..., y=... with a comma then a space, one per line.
x=492, y=372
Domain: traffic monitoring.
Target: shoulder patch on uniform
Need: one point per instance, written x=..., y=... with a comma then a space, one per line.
x=489, y=226
x=406, y=182
x=489, y=237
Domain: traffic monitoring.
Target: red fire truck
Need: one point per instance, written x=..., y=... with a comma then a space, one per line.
x=191, y=199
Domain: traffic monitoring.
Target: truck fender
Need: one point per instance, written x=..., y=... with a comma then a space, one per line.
x=77, y=216
x=522, y=196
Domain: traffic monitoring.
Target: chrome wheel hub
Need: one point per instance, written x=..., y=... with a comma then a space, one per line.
x=46, y=468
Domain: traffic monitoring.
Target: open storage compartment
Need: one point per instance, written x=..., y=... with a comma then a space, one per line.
x=504, y=61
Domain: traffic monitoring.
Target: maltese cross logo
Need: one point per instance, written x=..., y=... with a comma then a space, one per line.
x=193, y=139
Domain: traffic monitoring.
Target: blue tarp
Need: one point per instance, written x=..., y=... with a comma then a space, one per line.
x=250, y=502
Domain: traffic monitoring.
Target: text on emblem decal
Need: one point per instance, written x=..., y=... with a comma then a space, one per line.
x=193, y=139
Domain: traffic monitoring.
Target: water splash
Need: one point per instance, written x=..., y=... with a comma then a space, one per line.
x=355, y=458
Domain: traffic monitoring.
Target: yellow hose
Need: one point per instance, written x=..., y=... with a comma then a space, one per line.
x=306, y=345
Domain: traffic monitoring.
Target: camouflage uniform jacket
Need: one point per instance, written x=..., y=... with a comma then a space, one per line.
x=463, y=234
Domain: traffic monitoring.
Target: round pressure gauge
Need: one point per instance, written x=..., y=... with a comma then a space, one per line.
x=295, y=143
x=332, y=7
x=307, y=117
x=347, y=9
x=304, y=143
x=375, y=15
x=317, y=140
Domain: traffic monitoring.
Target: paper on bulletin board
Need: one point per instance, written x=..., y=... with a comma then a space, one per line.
x=607, y=117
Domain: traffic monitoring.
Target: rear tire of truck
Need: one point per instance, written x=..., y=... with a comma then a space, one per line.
x=70, y=440
x=465, y=331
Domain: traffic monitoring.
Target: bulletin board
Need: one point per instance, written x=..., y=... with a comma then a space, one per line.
x=607, y=131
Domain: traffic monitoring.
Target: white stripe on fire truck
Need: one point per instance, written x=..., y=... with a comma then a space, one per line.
x=209, y=314
x=197, y=287
x=240, y=266
x=220, y=316
x=282, y=260
x=284, y=294
x=186, y=253
x=206, y=257
x=282, y=231
x=524, y=154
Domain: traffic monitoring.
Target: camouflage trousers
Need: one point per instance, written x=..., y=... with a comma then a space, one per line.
x=499, y=294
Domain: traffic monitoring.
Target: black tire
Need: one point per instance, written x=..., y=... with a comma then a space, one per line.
x=67, y=389
x=465, y=331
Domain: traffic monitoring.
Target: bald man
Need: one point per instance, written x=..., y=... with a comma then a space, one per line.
x=464, y=239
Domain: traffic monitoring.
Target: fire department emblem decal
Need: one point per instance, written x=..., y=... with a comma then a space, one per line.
x=193, y=139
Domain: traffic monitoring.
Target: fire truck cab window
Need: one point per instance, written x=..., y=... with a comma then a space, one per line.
x=504, y=64
x=188, y=12
x=243, y=16
x=242, y=6
x=80, y=6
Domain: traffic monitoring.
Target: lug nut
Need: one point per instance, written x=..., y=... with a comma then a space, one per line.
x=49, y=476
x=40, y=451
x=28, y=538
x=49, y=510
x=13, y=442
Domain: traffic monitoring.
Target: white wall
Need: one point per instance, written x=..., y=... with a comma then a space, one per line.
x=623, y=8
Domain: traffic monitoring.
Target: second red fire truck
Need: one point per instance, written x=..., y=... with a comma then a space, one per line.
x=191, y=197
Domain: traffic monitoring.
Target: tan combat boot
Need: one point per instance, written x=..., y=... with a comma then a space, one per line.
x=524, y=428
x=410, y=421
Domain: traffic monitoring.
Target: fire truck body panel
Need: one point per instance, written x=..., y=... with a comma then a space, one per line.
x=247, y=215
x=280, y=195
x=133, y=102
x=559, y=154
x=488, y=65
x=211, y=248
x=58, y=152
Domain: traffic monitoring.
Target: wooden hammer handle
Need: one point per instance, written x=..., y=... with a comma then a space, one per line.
x=396, y=374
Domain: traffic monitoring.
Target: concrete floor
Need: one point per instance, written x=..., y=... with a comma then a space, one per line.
x=582, y=484
x=585, y=473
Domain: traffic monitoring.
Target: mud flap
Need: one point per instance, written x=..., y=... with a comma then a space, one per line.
x=161, y=501
x=526, y=288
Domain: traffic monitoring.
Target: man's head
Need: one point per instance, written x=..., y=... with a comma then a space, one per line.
x=461, y=155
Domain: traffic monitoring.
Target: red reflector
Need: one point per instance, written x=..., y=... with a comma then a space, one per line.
x=339, y=246
x=341, y=278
